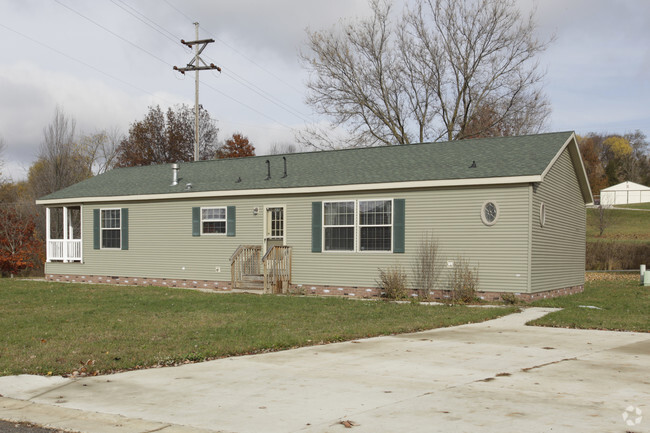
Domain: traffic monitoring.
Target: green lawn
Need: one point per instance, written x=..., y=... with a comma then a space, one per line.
x=624, y=305
x=57, y=328
x=626, y=225
x=635, y=206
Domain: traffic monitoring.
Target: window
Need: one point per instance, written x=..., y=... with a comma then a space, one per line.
x=213, y=220
x=375, y=225
x=363, y=226
x=489, y=213
x=111, y=233
x=542, y=214
x=275, y=229
x=339, y=226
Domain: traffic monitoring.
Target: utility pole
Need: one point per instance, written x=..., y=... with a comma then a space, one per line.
x=195, y=65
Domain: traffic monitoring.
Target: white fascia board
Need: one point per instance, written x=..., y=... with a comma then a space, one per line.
x=302, y=190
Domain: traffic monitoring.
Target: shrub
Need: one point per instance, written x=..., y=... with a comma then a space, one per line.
x=607, y=256
x=509, y=298
x=463, y=282
x=392, y=282
x=426, y=267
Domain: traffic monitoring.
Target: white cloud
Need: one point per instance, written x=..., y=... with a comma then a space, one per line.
x=598, y=67
x=30, y=95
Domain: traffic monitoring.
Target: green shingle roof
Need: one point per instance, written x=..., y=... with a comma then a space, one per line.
x=494, y=157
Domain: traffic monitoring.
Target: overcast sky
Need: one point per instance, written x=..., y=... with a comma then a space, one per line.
x=84, y=57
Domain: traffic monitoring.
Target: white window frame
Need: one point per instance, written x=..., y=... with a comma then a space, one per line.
x=357, y=226
x=353, y=225
x=496, y=217
x=360, y=226
x=225, y=220
x=102, y=228
x=542, y=214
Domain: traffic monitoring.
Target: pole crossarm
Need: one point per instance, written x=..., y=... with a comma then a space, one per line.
x=194, y=64
x=191, y=68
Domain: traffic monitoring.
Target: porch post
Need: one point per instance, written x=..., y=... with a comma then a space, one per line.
x=65, y=234
x=47, y=235
x=81, y=233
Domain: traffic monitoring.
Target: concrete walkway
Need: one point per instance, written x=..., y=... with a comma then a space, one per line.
x=494, y=376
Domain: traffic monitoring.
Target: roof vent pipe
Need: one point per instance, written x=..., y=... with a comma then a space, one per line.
x=268, y=169
x=174, y=174
x=285, y=166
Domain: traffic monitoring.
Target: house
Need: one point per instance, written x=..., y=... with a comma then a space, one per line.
x=625, y=193
x=325, y=222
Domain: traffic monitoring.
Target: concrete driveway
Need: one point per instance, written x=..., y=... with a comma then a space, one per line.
x=494, y=376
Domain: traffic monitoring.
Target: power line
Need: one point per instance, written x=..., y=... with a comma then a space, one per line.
x=242, y=81
x=246, y=105
x=264, y=94
x=139, y=48
x=113, y=33
x=178, y=10
x=146, y=20
x=83, y=63
x=252, y=61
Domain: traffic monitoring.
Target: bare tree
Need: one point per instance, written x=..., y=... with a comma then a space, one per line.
x=100, y=149
x=606, y=217
x=3, y=146
x=282, y=148
x=444, y=69
x=61, y=161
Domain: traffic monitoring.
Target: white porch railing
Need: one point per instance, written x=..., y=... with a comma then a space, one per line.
x=64, y=249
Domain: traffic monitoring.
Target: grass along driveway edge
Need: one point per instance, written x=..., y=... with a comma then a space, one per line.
x=615, y=302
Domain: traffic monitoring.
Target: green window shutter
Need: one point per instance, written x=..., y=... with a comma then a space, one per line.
x=96, y=244
x=399, y=216
x=231, y=221
x=125, y=228
x=316, y=226
x=196, y=221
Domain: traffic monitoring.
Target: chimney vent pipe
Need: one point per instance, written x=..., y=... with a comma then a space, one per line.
x=174, y=174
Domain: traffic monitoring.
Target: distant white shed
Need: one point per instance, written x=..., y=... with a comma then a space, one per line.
x=624, y=193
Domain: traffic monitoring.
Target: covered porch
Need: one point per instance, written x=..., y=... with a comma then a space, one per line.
x=64, y=234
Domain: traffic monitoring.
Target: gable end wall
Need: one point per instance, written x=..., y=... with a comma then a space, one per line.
x=558, y=248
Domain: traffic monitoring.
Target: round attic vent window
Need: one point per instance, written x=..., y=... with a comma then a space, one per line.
x=489, y=213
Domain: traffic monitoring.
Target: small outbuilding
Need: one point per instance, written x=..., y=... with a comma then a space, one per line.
x=325, y=222
x=625, y=193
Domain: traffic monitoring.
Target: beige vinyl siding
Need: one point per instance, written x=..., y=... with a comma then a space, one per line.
x=558, y=248
x=161, y=242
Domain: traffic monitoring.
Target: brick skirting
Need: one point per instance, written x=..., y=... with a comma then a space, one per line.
x=441, y=295
x=137, y=281
x=299, y=289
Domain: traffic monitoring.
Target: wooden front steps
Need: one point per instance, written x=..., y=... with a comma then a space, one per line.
x=253, y=282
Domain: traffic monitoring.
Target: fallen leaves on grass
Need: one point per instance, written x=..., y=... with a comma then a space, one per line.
x=611, y=276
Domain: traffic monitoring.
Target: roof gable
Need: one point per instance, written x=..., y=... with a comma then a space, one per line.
x=627, y=186
x=467, y=161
